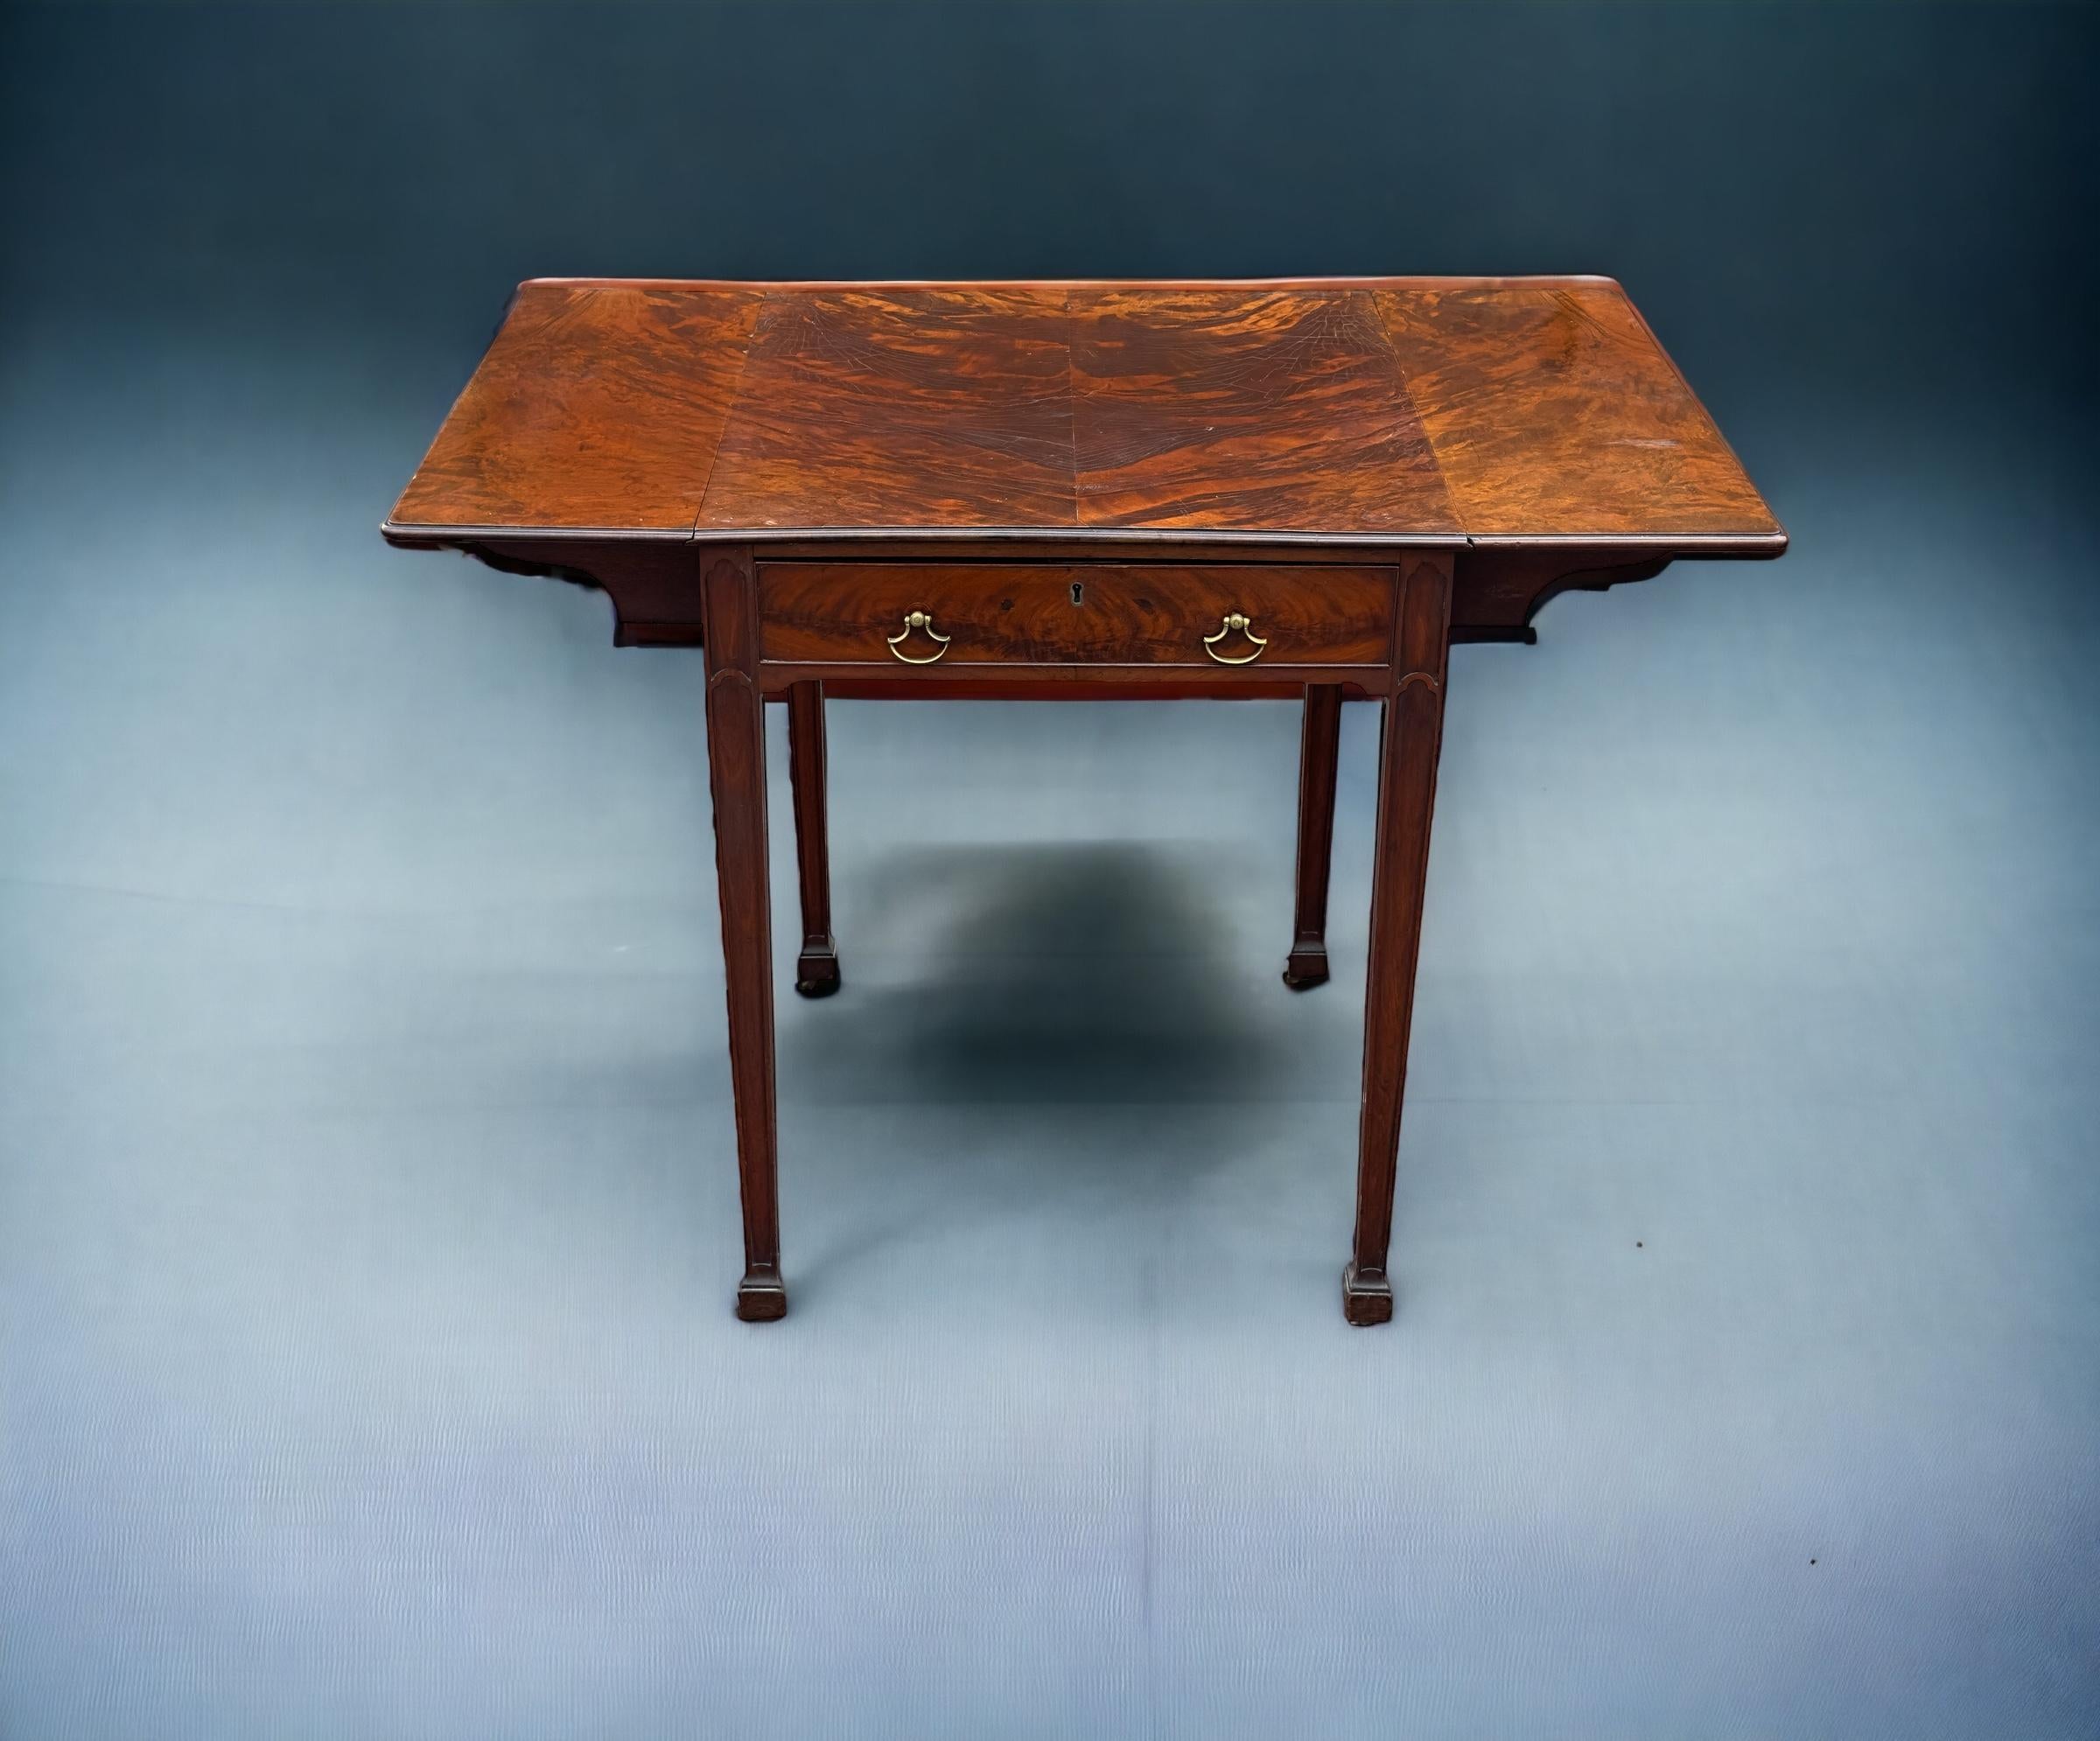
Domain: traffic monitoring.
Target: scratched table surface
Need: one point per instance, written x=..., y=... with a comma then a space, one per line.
x=1456, y=411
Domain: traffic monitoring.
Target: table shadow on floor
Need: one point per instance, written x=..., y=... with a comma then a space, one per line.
x=1100, y=974
x=1073, y=1029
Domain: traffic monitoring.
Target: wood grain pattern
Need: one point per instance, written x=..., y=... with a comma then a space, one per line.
x=1276, y=411
x=1556, y=414
x=735, y=765
x=1407, y=787
x=905, y=407
x=598, y=405
x=1099, y=615
x=1368, y=468
x=1421, y=410
x=1076, y=682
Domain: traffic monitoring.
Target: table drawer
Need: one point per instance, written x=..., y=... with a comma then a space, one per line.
x=1024, y=613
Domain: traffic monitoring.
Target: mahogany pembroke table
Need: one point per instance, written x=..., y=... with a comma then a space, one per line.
x=1306, y=488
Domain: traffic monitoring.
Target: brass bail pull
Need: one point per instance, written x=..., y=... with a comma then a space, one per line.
x=917, y=619
x=1235, y=622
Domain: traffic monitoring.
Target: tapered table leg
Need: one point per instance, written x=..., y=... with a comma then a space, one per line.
x=1320, y=749
x=1407, y=784
x=816, y=968
x=735, y=765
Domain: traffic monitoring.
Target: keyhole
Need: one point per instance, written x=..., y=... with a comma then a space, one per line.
x=1079, y=593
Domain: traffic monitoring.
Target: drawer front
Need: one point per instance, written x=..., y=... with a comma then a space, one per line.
x=1216, y=617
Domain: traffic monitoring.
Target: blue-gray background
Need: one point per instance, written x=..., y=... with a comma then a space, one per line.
x=367, y=1220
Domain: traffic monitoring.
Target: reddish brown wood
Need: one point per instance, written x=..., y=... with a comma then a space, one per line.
x=816, y=968
x=1556, y=414
x=598, y=405
x=1072, y=683
x=1322, y=412
x=736, y=762
x=1276, y=411
x=651, y=583
x=1407, y=787
x=1201, y=549
x=914, y=407
x=1319, y=753
x=1098, y=616
x=1176, y=451
x=1497, y=590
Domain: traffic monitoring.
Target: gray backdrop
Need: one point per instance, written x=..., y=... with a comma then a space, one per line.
x=367, y=1220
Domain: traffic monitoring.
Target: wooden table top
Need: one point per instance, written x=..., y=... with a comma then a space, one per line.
x=1427, y=411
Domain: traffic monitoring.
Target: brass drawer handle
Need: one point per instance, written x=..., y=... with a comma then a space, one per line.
x=1234, y=621
x=917, y=619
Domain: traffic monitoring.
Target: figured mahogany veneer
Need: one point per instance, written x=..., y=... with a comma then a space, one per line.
x=1075, y=614
x=1554, y=413
x=1063, y=490
x=924, y=406
x=1208, y=409
x=598, y=406
x=1506, y=417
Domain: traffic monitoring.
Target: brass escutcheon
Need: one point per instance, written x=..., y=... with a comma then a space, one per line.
x=1235, y=620
x=917, y=619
